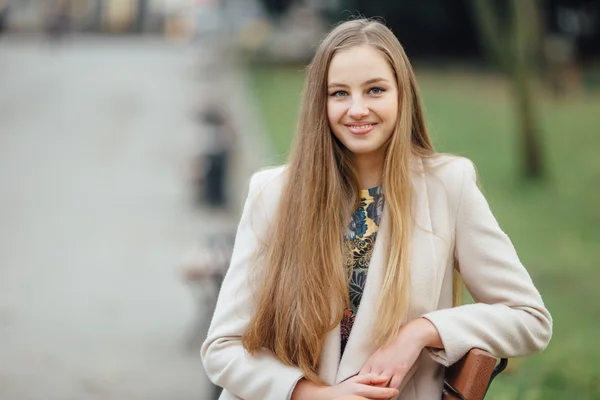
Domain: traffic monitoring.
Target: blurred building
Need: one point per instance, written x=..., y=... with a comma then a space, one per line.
x=108, y=16
x=287, y=30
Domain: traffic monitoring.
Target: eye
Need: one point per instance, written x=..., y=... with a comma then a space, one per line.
x=376, y=90
x=339, y=93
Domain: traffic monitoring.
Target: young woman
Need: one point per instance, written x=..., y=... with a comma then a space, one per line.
x=341, y=280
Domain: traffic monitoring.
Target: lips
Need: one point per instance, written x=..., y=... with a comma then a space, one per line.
x=361, y=129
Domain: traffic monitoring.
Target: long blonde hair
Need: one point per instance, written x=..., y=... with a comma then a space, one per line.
x=303, y=289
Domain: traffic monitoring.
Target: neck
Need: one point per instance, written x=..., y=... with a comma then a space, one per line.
x=370, y=170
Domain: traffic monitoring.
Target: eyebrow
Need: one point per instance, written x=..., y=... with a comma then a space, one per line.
x=370, y=81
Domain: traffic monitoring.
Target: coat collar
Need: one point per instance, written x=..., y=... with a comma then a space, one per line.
x=423, y=276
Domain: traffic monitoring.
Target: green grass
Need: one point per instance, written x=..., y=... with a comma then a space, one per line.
x=554, y=224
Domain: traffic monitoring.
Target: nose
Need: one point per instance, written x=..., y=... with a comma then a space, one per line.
x=358, y=109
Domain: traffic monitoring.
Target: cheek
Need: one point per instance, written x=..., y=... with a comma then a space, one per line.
x=335, y=111
x=391, y=112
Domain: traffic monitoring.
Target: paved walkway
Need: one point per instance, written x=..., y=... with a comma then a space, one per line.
x=95, y=211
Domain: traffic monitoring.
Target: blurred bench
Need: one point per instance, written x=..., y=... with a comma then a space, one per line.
x=203, y=270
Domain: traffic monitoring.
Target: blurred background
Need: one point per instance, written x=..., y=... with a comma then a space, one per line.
x=129, y=129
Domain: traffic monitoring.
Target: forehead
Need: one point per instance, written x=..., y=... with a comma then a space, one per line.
x=358, y=64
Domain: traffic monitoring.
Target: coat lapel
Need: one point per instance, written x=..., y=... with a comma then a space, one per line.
x=423, y=271
x=330, y=356
x=424, y=266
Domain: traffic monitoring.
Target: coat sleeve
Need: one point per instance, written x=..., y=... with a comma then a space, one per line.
x=508, y=318
x=227, y=364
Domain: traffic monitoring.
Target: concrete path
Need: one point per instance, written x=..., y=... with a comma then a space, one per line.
x=95, y=212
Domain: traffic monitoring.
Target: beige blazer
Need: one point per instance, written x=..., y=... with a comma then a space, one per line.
x=453, y=222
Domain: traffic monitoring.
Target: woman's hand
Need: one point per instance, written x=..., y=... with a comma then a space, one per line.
x=370, y=386
x=395, y=359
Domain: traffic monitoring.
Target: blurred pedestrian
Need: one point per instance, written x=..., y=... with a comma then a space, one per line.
x=58, y=19
x=342, y=278
x=211, y=164
x=4, y=12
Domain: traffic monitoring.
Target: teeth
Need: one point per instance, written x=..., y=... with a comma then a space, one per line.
x=362, y=126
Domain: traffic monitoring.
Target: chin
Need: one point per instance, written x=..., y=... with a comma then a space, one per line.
x=362, y=150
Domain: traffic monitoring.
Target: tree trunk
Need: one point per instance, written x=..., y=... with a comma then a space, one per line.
x=531, y=151
x=513, y=46
x=524, y=14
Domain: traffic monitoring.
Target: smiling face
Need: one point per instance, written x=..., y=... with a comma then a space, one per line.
x=362, y=100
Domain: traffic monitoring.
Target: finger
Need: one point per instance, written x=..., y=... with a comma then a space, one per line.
x=365, y=369
x=389, y=374
x=372, y=379
x=385, y=379
x=378, y=371
x=396, y=380
x=375, y=392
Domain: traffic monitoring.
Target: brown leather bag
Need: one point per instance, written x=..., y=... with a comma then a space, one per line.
x=471, y=376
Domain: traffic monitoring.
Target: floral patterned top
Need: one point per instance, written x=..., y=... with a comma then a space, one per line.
x=359, y=242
